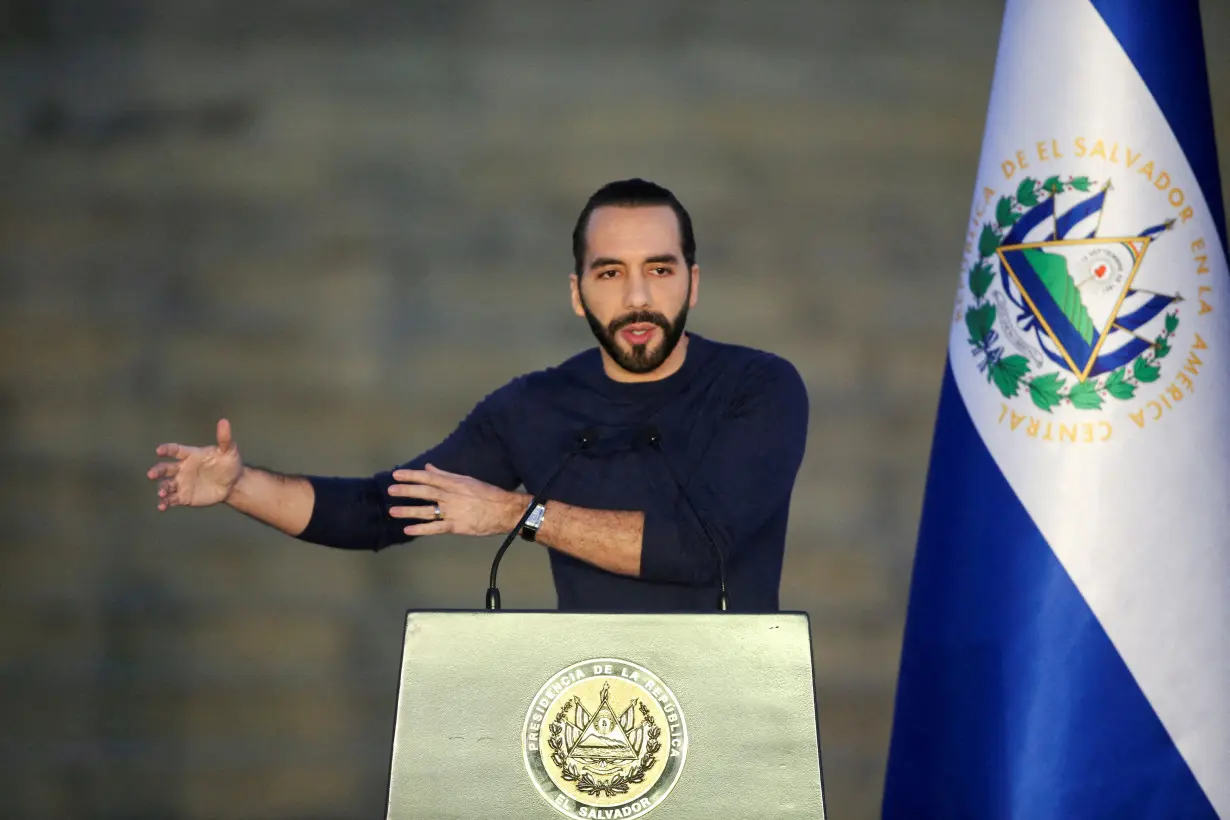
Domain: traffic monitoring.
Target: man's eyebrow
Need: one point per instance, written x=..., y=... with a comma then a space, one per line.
x=663, y=259
x=659, y=259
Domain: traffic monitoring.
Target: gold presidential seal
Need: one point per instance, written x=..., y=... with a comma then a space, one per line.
x=604, y=739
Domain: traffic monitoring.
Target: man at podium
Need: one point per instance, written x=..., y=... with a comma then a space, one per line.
x=665, y=454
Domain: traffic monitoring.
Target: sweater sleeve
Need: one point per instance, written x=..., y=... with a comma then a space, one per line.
x=740, y=486
x=353, y=513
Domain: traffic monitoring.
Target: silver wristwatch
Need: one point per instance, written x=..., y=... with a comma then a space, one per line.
x=529, y=530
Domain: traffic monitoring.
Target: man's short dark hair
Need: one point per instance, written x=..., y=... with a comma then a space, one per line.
x=631, y=193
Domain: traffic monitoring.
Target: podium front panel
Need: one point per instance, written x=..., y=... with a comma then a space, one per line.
x=603, y=716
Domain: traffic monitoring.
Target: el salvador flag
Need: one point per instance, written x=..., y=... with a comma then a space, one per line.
x=1067, y=645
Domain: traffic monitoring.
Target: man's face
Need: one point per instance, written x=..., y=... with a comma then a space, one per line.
x=635, y=288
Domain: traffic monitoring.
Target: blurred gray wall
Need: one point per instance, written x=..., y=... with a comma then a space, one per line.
x=341, y=224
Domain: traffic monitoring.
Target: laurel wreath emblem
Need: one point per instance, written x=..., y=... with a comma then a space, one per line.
x=618, y=784
x=1012, y=373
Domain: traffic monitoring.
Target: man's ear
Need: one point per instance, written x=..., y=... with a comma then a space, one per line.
x=574, y=288
x=695, y=286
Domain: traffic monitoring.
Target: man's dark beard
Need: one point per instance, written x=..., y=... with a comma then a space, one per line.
x=639, y=359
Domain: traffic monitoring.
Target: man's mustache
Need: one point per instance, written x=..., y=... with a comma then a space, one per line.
x=636, y=318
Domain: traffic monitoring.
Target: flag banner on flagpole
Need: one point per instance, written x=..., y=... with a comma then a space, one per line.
x=1067, y=645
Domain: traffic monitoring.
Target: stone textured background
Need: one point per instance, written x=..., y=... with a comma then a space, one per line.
x=341, y=224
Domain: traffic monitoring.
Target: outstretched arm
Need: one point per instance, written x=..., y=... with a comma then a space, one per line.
x=343, y=512
x=215, y=474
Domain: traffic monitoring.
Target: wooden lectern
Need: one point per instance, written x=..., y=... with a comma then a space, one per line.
x=601, y=716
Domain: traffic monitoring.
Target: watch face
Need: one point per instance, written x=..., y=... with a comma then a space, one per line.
x=536, y=516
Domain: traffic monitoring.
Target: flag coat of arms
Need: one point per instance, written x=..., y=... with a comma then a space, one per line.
x=1067, y=645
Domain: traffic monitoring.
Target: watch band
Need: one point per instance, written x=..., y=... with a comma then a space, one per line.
x=529, y=530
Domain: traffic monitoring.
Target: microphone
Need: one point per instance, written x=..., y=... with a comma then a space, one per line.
x=654, y=440
x=586, y=438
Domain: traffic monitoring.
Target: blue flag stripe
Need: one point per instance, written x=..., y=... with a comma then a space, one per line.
x=1163, y=40
x=1012, y=701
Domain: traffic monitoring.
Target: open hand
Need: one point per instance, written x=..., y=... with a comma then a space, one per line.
x=199, y=476
x=467, y=506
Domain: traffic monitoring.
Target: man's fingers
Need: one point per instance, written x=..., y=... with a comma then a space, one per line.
x=431, y=468
x=420, y=477
x=414, y=491
x=167, y=495
x=172, y=450
x=423, y=512
x=430, y=528
x=167, y=469
x=225, y=442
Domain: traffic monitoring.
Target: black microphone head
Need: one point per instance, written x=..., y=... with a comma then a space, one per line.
x=587, y=436
x=650, y=435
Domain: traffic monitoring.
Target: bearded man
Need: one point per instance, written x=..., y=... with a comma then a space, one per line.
x=659, y=446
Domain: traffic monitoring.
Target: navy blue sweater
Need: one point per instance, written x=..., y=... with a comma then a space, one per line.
x=732, y=423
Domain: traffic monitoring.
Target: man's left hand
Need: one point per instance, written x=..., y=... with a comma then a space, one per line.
x=467, y=506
